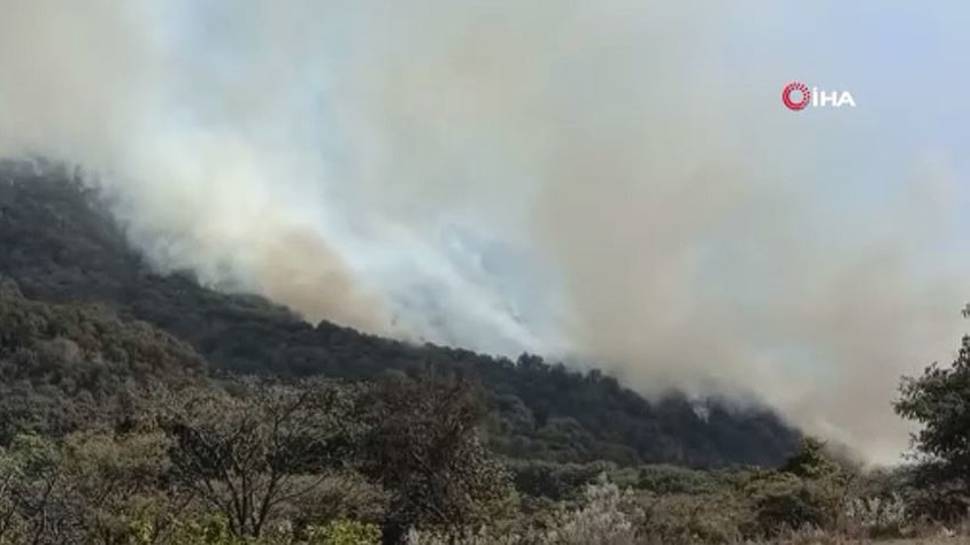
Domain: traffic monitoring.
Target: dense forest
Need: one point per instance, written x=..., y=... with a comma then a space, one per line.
x=139, y=408
x=60, y=245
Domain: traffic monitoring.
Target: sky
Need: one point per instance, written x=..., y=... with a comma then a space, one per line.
x=615, y=183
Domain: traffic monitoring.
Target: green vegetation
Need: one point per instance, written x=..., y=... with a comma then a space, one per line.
x=939, y=400
x=61, y=366
x=141, y=409
x=173, y=457
x=114, y=434
x=60, y=246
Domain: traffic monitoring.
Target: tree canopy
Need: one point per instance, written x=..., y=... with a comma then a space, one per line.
x=61, y=246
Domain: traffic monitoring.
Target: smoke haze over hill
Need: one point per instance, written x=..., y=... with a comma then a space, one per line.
x=614, y=181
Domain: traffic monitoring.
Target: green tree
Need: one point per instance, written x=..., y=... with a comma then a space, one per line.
x=89, y=488
x=262, y=451
x=112, y=480
x=808, y=491
x=425, y=448
x=939, y=401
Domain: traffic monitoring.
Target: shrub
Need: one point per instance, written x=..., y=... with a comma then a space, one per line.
x=207, y=530
x=717, y=517
x=555, y=480
x=667, y=479
x=783, y=501
x=877, y=516
x=344, y=532
x=608, y=516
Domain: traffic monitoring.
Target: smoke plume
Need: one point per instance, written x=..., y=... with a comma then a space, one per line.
x=605, y=181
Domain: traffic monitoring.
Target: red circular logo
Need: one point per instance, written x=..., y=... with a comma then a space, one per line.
x=791, y=88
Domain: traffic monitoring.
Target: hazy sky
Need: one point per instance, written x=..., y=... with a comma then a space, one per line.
x=613, y=181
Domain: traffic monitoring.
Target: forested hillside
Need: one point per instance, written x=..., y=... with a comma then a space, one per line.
x=58, y=245
x=139, y=408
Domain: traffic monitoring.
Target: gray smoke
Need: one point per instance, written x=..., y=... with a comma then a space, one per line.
x=605, y=181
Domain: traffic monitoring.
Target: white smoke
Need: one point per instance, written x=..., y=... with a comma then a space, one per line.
x=615, y=181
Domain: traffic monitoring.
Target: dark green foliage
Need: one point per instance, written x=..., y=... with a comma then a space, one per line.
x=939, y=401
x=137, y=447
x=687, y=506
x=665, y=479
x=63, y=365
x=113, y=431
x=555, y=481
x=59, y=245
x=782, y=502
x=718, y=516
x=807, y=492
x=811, y=461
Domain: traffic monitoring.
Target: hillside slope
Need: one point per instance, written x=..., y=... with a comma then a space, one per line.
x=59, y=245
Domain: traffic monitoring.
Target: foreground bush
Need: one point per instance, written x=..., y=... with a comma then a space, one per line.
x=716, y=517
x=608, y=516
x=344, y=532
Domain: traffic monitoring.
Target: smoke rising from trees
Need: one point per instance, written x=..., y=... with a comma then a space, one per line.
x=614, y=181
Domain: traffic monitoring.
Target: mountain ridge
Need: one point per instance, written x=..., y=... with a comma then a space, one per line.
x=60, y=244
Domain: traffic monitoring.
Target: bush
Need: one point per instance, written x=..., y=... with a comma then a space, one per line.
x=608, y=516
x=553, y=480
x=208, y=530
x=681, y=519
x=344, y=532
x=784, y=501
x=877, y=516
x=666, y=479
